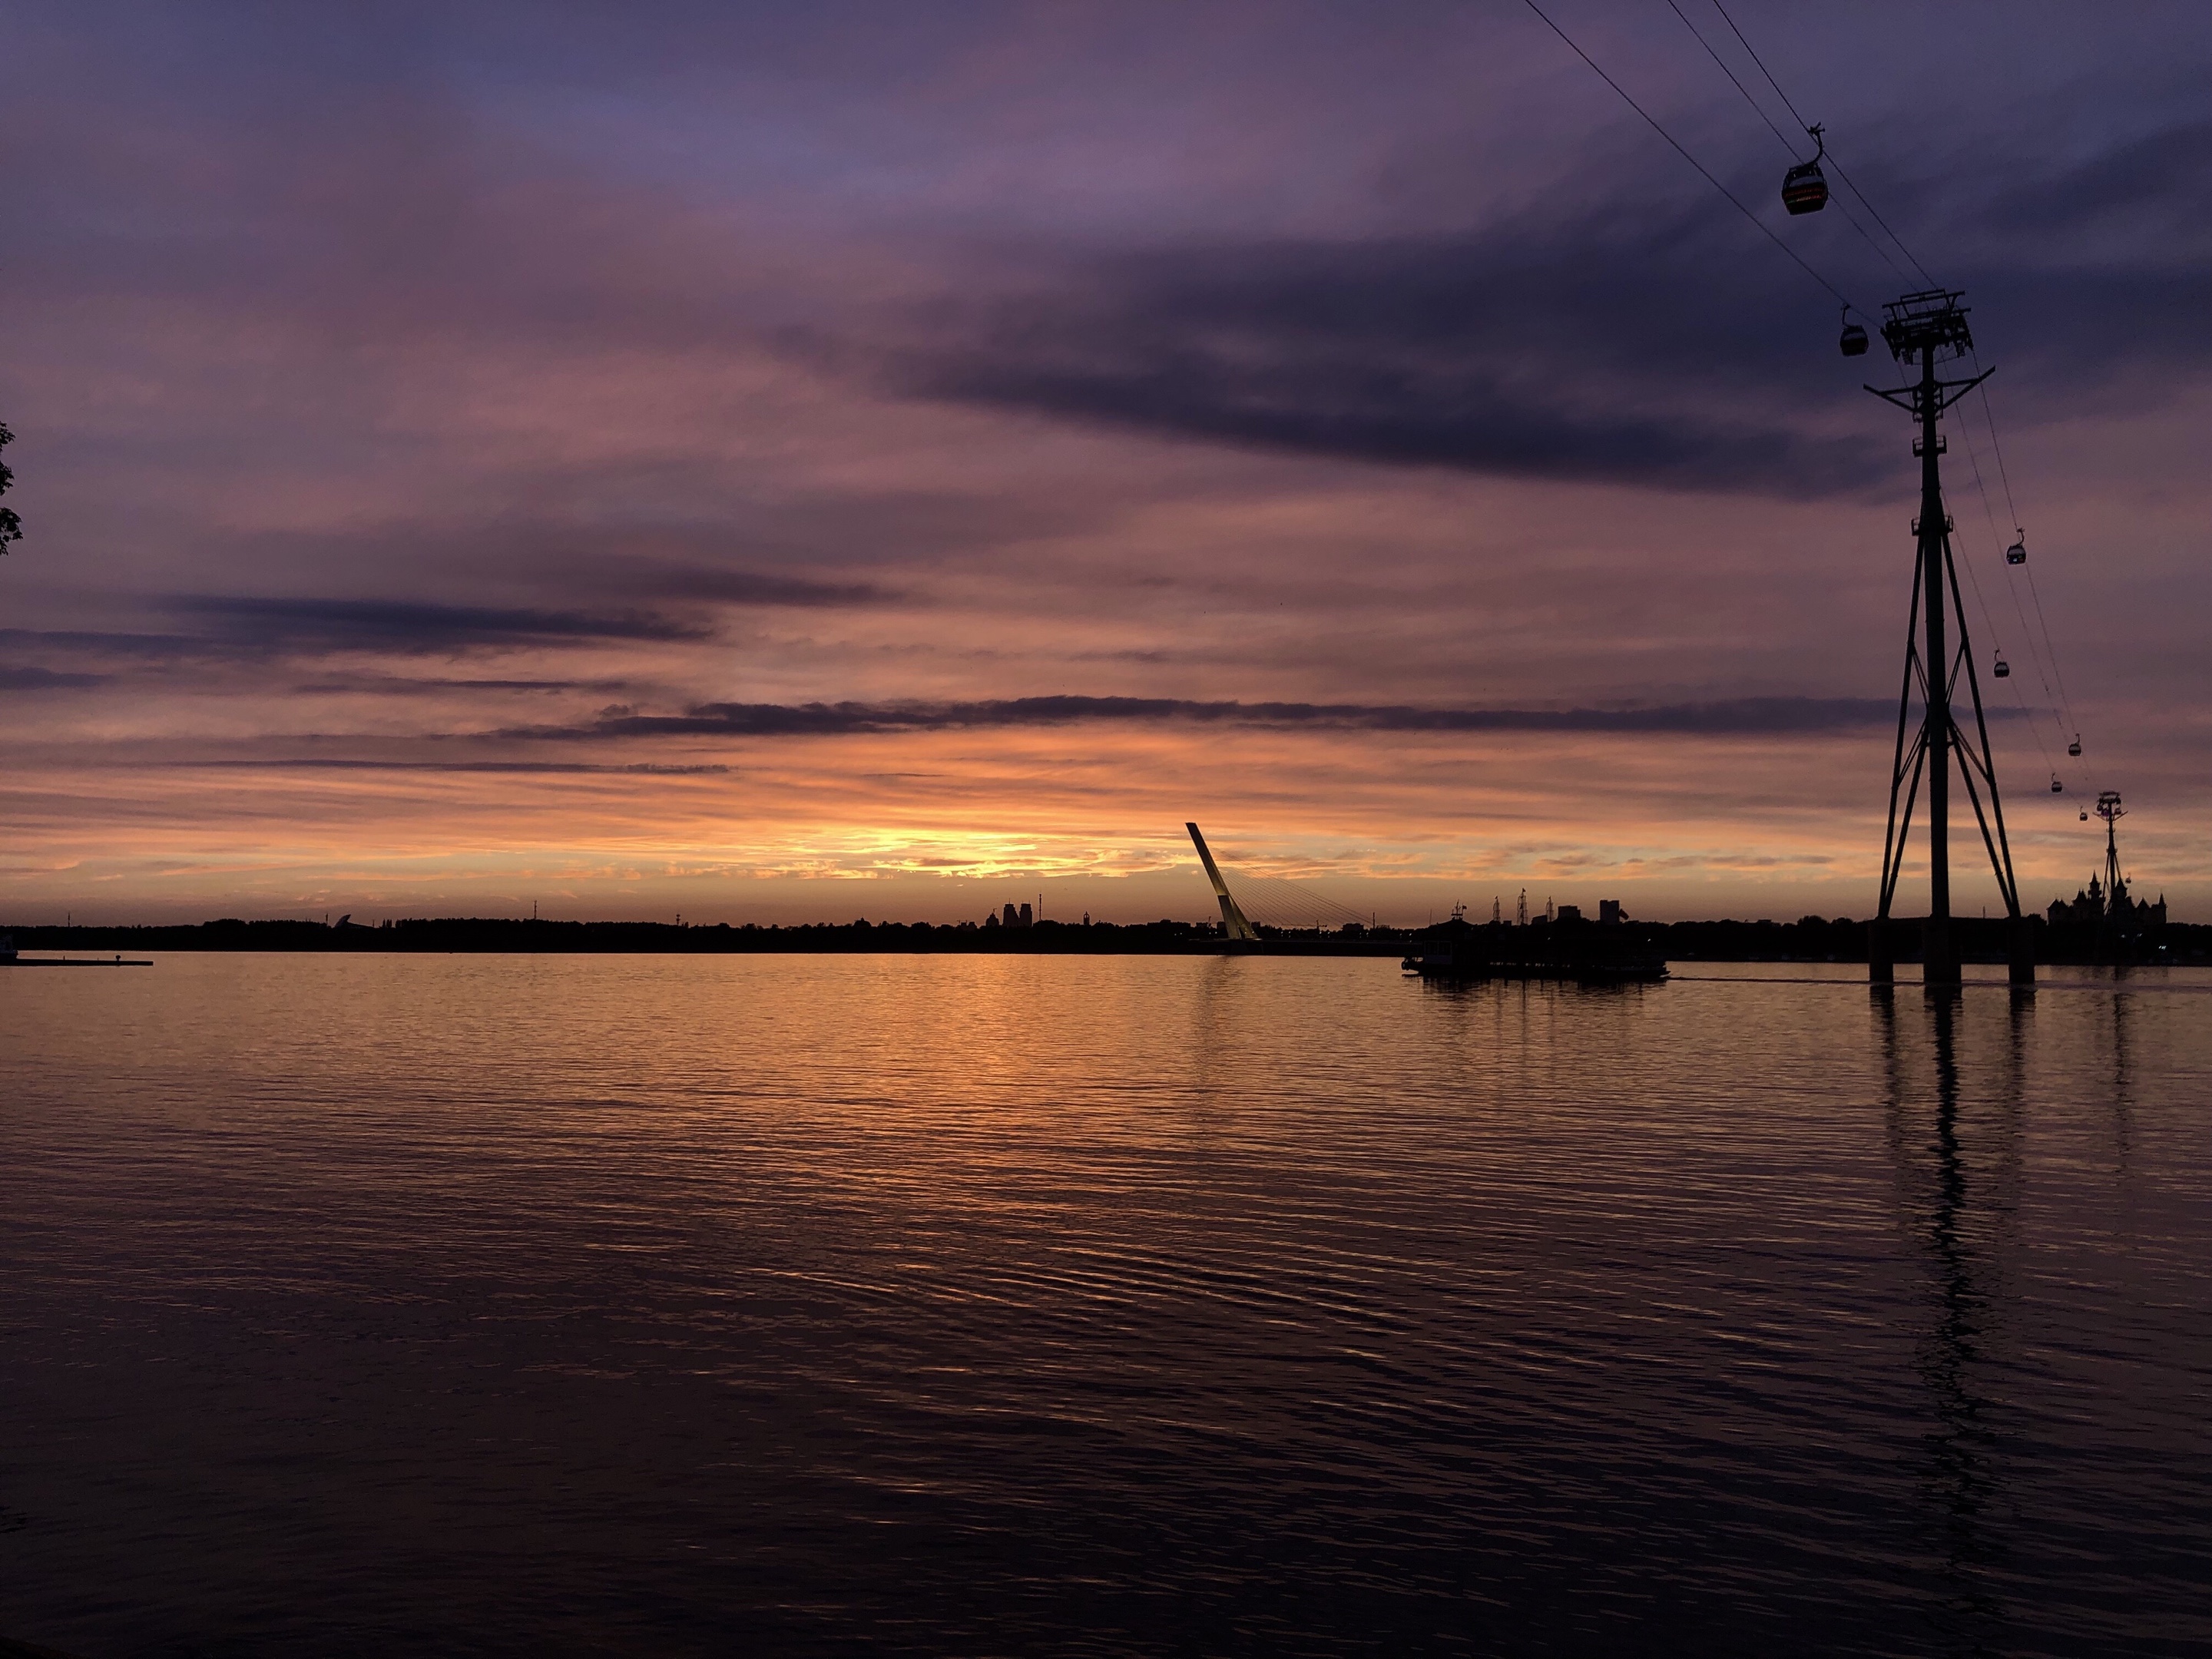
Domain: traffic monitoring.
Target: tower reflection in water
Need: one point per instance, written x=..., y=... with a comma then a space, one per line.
x=1958, y=1178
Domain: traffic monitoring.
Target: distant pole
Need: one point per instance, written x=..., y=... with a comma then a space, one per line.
x=2109, y=809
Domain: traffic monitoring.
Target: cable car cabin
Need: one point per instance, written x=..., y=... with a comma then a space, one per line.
x=2074, y=747
x=2085, y=815
x=1805, y=187
x=1854, y=342
x=2016, y=554
x=1805, y=190
x=2003, y=669
x=2057, y=787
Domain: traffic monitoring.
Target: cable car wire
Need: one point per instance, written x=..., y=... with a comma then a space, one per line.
x=1996, y=540
x=1652, y=121
x=1759, y=110
x=2032, y=716
x=2004, y=477
x=1761, y=62
x=1872, y=211
x=1788, y=143
x=2064, y=698
x=2049, y=650
x=1974, y=581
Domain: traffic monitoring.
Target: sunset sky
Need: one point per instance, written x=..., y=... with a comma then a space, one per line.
x=773, y=463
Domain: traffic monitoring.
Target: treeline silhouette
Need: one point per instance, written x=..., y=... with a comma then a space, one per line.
x=1809, y=938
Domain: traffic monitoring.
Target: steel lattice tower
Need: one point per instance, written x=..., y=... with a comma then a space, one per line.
x=1925, y=329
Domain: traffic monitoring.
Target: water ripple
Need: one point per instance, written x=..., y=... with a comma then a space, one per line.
x=506, y=1305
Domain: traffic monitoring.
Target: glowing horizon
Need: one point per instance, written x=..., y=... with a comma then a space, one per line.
x=718, y=464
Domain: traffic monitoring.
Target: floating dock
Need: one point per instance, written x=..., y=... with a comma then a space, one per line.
x=12, y=961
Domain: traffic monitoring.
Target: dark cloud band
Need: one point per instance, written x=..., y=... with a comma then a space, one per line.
x=1746, y=716
x=402, y=626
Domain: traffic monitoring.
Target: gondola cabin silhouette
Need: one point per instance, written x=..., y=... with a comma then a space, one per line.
x=1805, y=187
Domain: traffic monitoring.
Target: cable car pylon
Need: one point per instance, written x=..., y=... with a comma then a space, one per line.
x=1926, y=329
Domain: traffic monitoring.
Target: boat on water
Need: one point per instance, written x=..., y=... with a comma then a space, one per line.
x=1587, y=955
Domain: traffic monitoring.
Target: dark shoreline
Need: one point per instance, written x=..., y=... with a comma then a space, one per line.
x=1808, y=939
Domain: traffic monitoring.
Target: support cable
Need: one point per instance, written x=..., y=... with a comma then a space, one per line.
x=1874, y=213
x=1652, y=121
x=1282, y=902
x=1761, y=62
x=2049, y=651
x=1759, y=110
x=2071, y=722
x=1989, y=418
x=1989, y=513
x=2007, y=883
x=1757, y=107
x=2036, y=594
x=1800, y=120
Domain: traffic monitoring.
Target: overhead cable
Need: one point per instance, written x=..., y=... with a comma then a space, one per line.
x=1758, y=108
x=2049, y=652
x=2004, y=478
x=1800, y=120
x=1784, y=138
x=1761, y=62
x=1989, y=414
x=1874, y=213
x=2034, y=661
x=1653, y=122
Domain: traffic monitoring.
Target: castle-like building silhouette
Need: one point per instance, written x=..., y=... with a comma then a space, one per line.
x=2093, y=908
x=2103, y=912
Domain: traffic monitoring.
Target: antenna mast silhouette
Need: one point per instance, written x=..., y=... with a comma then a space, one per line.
x=2108, y=808
x=1926, y=329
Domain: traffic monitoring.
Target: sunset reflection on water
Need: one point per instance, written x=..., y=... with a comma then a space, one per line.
x=1084, y=1305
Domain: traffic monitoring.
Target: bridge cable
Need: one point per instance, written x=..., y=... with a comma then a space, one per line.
x=1281, y=902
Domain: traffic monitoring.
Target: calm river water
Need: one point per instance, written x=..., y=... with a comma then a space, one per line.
x=670, y=1306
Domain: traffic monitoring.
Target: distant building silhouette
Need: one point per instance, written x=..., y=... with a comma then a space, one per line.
x=1026, y=921
x=1609, y=913
x=2093, y=906
x=1571, y=912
